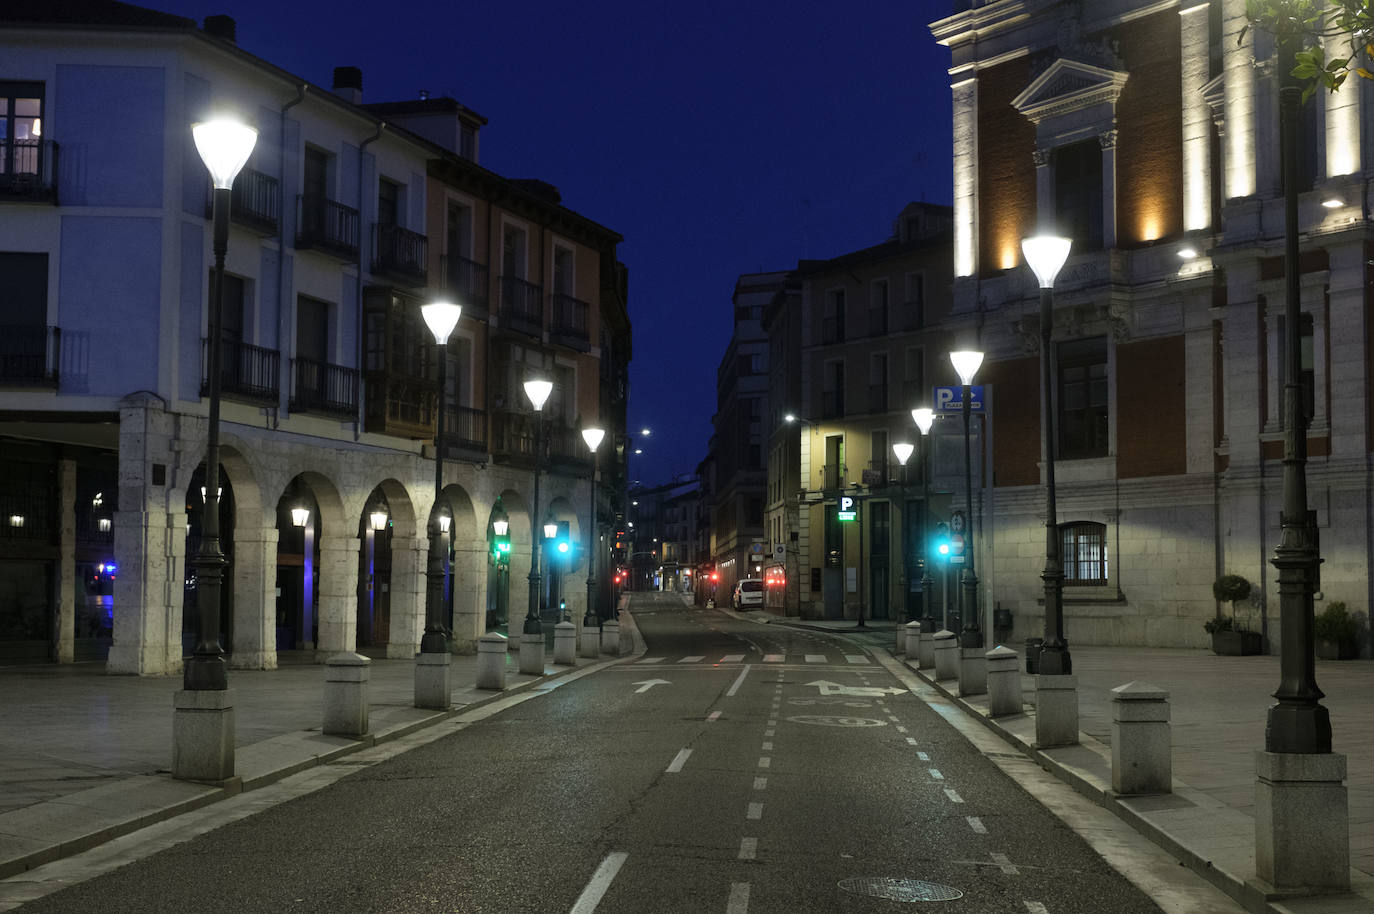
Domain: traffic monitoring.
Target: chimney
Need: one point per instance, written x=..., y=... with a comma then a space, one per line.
x=348, y=84
x=221, y=27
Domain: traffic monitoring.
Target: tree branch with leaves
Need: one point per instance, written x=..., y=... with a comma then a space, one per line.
x=1304, y=24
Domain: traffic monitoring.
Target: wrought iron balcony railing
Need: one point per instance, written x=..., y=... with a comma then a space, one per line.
x=322, y=224
x=28, y=170
x=465, y=429
x=400, y=254
x=833, y=476
x=252, y=202
x=468, y=281
x=323, y=388
x=522, y=305
x=29, y=355
x=570, y=324
x=246, y=372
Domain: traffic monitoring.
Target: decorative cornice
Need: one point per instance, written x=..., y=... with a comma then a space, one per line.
x=1069, y=85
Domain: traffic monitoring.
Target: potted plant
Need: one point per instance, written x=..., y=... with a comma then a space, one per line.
x=1231, y=637
x=1337, y=632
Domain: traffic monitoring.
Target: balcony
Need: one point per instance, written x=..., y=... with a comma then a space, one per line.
x=569, y=326
x=246, y=372
x=468, y=281
x=400, y=405
x=326, y=226
x=465, y=432
x=253, y=202
x=833, y=476
x=29, y=355
x=319, y=387
x=400, y=254
x=522, y=306
x=881, y=473
x=512, y=441
x=28, y=171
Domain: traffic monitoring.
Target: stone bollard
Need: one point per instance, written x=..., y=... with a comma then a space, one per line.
x=925, y=650
x=610, y=638
x=899, y=638
x=973, y=671
x=345, y=694
x=532, y=653
x=912, y=631
x=1302, y=823
x=203, y=734
x=946, y=654
x=1056, y=711
x=591, y=641
x=434, y=681
x=1141, y=744
x=491, y=661
x=1004, y=682
x=565, y=644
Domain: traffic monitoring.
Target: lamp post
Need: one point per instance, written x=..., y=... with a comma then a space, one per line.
x=550, y=535
x=593, y=438
x=532, y=639
x=966, y=363
x=1046, y=255
x=441, y=318
x=224, y=145
x=500, y=529
x=903, y=450
x=924, y=417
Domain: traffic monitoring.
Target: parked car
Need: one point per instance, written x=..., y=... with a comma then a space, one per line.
x=749, y=592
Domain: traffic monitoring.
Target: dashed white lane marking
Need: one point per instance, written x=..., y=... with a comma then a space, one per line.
x=1004, y=863
x=767, y=747
x=772, y=721
x=815, y=658
x=1035, y=907
x=953, y=797
x=601, y=880
x=748, y=848
x=678, y=761
x=935, y=773
x=856, y=658
x=925, y=757
x=714, y=715
x=738, y=681
x=768, y=732
x=976, y=824
x=765, y=762
x=773, y=658
x=739, y=898
x=652, y=660
x=760, y=783
x=901, y=729
x=732, y=658
x=911, y=740
x=691, y=659
x=755, y=811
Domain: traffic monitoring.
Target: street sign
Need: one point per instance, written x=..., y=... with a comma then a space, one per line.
x=779, y=551
x=956, y=549
x=848, y=508
x=951, y=399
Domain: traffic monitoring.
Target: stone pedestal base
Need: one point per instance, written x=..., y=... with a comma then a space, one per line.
x=433, y=680
x=610, y=638
x=1142, y=747
x=1056, y=711
x=925, y=651
x=491, y=661
x=203, y=735
x=591, y=641
x=1302, y=824
x=532, y=654
x=565, y=644
x=911, y=635
x=973, y=671
x=1004, y=681
x=345, y=695
x=946, y=655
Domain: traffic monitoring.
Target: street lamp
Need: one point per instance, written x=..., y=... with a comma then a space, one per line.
x=924, y=417
x=903, y=451
x=224, y=146
x=1046, y=255
x=532, y=648
x=500, y=530
x=593, y=438
x=966, y=362
x=441, y=318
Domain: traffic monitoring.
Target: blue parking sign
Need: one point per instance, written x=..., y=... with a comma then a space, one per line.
x=951, y=399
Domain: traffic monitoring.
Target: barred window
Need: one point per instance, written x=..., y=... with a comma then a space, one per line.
x=1084, y=553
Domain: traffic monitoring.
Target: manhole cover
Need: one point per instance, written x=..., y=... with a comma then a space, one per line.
x=899, y=889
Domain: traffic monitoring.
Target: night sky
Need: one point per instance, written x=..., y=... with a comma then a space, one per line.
x=718, y=137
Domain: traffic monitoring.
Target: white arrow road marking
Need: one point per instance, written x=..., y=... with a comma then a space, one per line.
x=834, y=688
x=647, y=684
x=600, y=882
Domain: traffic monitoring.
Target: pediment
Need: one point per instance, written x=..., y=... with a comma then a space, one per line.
x=1069, y=85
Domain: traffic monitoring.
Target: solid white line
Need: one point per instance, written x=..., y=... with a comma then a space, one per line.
x=935, y=773
x=748, y=848
x=773, y=658
x=760, y=783
x=601, y=880
x=755, y=811
x=923, y=756
x=815, y=658
x=678, y=761
x=739, y=898
x=691, y=660
x=732, y=658
x=765, y=762
x=976, y=824
x=953, y=797
x=738, y=682
x=714, y=715
x=1035, y=907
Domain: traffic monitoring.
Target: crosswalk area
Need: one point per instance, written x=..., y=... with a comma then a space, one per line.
x=853, y=659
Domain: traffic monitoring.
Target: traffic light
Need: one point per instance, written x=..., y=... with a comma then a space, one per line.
x=563, y=541
x=940, y=546
x=500, y=549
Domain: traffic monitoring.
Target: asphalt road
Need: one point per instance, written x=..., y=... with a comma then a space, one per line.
x=733, y=768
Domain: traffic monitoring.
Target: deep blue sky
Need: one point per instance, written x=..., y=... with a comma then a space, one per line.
x=718, y=137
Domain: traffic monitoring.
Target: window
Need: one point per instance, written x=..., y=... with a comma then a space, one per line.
x=1078, y=192
x=877, y=382
x=513, y=252
x=231, y=308
x=880, y=527
x=755, y=457
x=877, y=308
x=312, y=329
x=878, y=455
x=834, y=541
x=388, y=202
x=1084, y=553
x=467, y=142
x=1306, y=370
x=915, y=371
x=21, y=127
x=914, y=303
x=834, y=461
x=562, y=271
x=832, y=327
x=1083, y=398
x=315, y=182
x=24, y=279
x=832, y=394
x=459, y=240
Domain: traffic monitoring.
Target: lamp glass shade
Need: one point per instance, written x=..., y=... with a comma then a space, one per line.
x=224, y=145
x=219, y=492
x=966, y=363
x=441, y=317
x=16, y=520
x=444, y=521
x=924, y=419
x=550, y=531
x=538, y=390
x=500, y=527
x=378, y=519
x=593, y=437
x=1046, y=254
x=300, y=516
x=790, y=417
x=903, y=451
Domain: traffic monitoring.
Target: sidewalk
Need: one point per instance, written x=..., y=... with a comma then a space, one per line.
x=85, y=757
x=1218, y=707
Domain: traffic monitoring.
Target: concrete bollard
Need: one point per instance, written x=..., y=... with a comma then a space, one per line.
x=610, y=638
x=973, y=671
x=1142, y=747
x=434, y=681
x=912, y=633
x=345, y=694
x=925, y=650
x=1056, y=711
x=591, y=641
x=532, y=654
x=203, y=734
x=946, y=655
x=565, y=644
x=1004, y=682
x=491, y=661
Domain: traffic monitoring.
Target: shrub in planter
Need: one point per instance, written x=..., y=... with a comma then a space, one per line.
x=1337, y=632
x=1231, y=637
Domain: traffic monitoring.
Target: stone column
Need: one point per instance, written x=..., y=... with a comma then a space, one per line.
x=1044, y=189
x=1349, y=367
x=965, y=180
x=338, y=596
x=518, y=593
x=1197, y=122
x=255, y=595
x=1239, y=68
x=409, y=556
x=470, y=570
x=1342, y=119
x=1107, y=139
x=1142, y=759
x=66, y=562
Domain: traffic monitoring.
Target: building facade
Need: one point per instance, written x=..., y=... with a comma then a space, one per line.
x=1147, y=133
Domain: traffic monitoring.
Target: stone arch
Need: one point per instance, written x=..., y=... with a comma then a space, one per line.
x=332, y=578
x=565, y=574
x=517, y=506
x=466, y=562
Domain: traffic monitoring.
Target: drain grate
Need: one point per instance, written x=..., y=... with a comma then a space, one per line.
x=899, y=889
